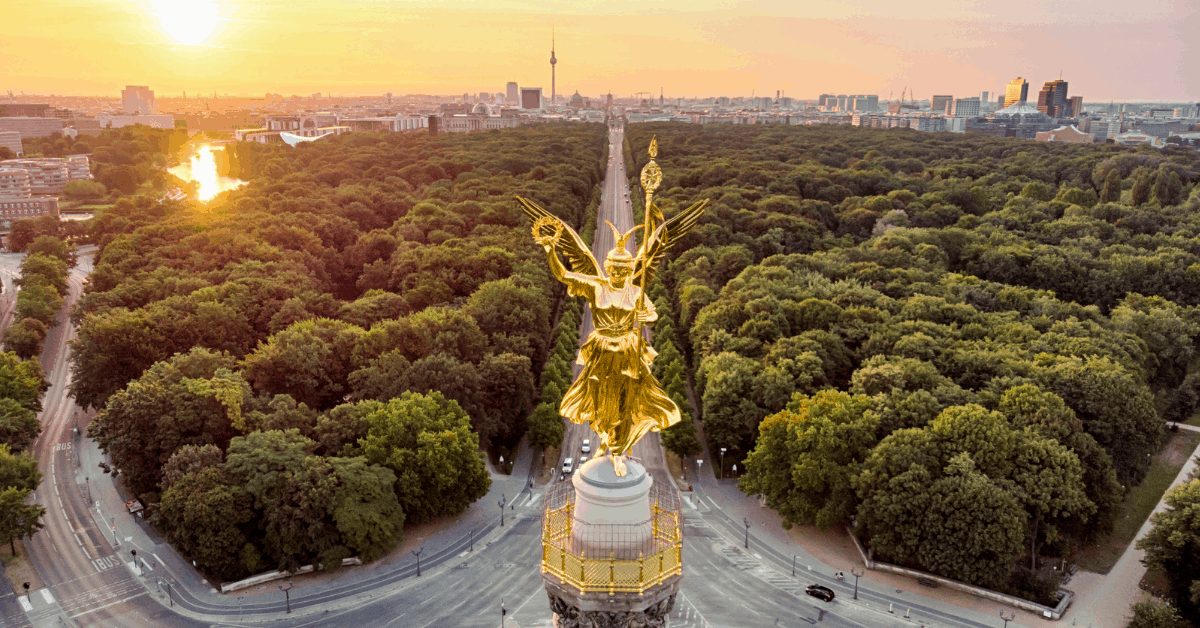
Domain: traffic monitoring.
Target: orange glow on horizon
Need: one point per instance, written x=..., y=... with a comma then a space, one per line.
x=685, y=48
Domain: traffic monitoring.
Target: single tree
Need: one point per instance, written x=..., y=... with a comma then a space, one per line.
x=18, y=519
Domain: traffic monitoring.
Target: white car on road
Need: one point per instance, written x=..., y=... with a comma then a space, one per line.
x=568, y=464
x=587, y=446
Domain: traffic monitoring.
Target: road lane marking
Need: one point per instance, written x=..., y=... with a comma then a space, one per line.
x=160, y=561
x=92, y=610
x=47, y=596
x=24, y=600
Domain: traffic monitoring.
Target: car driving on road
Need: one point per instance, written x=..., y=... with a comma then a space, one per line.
x=816, y=590
x=568, y=464
x=586, y=447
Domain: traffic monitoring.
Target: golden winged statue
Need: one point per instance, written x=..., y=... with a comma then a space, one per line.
x=615, y=391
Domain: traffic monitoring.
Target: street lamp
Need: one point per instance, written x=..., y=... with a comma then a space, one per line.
x=501, y=505
x=1011, y=616
x=170, y=599
x=794, y=565
x=417, y=553
x=857, y=573
x=722, y=463
x=502, y=469
x=747, y=522
x=287, y=594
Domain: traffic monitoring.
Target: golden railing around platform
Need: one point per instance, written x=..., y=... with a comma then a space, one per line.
x=611, y=558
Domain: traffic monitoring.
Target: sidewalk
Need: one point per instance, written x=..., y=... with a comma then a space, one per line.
x=159, y=565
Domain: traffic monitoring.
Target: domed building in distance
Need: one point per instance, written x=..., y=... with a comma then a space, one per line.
x=1021, y=112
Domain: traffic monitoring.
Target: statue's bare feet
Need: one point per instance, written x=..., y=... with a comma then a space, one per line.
x=619, y=465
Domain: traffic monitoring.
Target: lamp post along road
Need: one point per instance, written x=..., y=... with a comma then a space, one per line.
x=501, y=505
x=1011, y=616
x=287, y=594
x=747, y=524
x=722, y=463
x=417, y=553
x=857, y=573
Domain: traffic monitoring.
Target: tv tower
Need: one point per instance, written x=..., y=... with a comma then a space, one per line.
x=553, y=62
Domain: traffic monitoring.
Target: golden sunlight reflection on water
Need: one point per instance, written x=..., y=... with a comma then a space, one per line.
x=202, y=168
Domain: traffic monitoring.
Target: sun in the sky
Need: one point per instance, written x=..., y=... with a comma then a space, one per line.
x=189, y=22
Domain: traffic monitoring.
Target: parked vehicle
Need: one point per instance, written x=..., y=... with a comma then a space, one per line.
x=818, y=591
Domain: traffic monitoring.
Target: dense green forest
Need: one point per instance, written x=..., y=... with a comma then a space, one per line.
x=292, y=371
x=966, y=346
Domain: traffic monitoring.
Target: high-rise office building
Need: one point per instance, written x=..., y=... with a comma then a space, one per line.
x=1076, y=106
x=841, y=102
x=513, y=95
x=1052, y=100
x=966, y=107
x=939, y=103
x=823, y=101
x=138, y=100
x=983, y=96
x=1016, y=91
x=531, y=98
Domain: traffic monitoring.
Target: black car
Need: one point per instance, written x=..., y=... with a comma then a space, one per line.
x=816, y=590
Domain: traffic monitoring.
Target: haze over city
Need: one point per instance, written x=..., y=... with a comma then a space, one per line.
x=1110, y=50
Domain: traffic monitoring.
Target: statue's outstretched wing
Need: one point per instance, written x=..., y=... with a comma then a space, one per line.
x=652, y=251
x=568, y=241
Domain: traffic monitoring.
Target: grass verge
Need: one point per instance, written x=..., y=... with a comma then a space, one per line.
x=18, y=568
x=675, y=468
x=1140, y=503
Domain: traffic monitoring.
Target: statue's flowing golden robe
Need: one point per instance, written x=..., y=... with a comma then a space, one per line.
x=616, y=391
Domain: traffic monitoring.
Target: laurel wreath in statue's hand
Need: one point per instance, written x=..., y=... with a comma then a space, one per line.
x=539, y=230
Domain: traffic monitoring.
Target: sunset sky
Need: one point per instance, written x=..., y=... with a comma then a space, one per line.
x=1107, y=50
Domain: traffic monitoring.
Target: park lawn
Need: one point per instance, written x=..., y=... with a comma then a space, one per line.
x=1195, y=420
x=1140, y=503
x=549, y=459
x=18, y=569
x=675, y=468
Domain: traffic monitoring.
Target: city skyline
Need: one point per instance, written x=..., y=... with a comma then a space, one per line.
x=694, y=50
